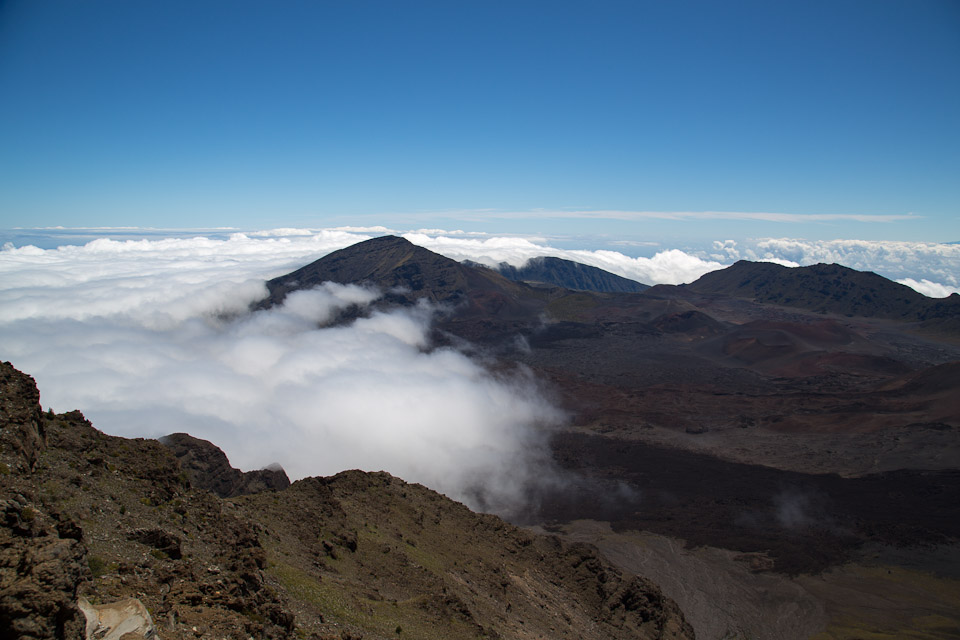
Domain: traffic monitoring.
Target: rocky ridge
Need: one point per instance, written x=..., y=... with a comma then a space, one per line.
x=209, y=468
x=825, y=288
x=359, y=555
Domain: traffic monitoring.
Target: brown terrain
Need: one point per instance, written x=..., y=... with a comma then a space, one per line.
x=795, y=424
x=92, y=518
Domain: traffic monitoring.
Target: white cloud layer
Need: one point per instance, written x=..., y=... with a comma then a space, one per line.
x=135, y=335
x=666, y=267
x=148, y=337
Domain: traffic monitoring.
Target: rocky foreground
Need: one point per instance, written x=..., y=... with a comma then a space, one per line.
x=91, y=518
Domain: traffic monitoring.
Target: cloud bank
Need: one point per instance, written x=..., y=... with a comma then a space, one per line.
x=666, y=267
x=929, y=267
x=150, y=337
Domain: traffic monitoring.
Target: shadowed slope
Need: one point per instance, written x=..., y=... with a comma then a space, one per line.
x=569, y=275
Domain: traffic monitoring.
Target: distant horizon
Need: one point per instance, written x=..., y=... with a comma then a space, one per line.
x=931, y=268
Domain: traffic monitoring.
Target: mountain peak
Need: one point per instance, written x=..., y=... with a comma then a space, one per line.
x=388, y=262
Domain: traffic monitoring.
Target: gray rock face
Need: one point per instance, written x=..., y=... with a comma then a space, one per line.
x=209, y=469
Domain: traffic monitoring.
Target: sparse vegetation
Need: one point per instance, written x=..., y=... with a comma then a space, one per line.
x=98, y=566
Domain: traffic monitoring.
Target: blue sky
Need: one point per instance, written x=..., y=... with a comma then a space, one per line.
x=659, y=120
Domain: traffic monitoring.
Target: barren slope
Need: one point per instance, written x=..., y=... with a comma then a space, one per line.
x=357, y=555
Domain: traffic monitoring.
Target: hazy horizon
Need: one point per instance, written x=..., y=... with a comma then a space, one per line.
x=931, y=268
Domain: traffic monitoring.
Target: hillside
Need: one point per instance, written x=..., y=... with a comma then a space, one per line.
x=824, y=288
x=359, y=555
x=406, y=272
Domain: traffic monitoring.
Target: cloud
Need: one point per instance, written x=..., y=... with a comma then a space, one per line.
x=931, y=289
x=666, y=267
x=133, y=277
x=151, y=337
x=929, y=267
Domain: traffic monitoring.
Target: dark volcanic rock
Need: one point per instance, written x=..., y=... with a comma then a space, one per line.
x=558, y=272
x=402, y=269
x=40, y=570
x=159, y=539
x=805, y=522
x=22, y=435
x=209, y=468
x=387, y=262
x=475, y=303
x=691, y=322
x=42, y=558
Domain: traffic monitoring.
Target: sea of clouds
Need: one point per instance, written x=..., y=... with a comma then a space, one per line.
x=153, y=336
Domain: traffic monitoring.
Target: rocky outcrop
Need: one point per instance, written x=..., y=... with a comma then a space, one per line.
x=109, y=518
x=389, y=551
x=42, y=563
x=209, y=468
x=22, y=434
x=42, y=556
x=358, y=555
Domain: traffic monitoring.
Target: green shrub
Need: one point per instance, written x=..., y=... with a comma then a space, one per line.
x=98, y=566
